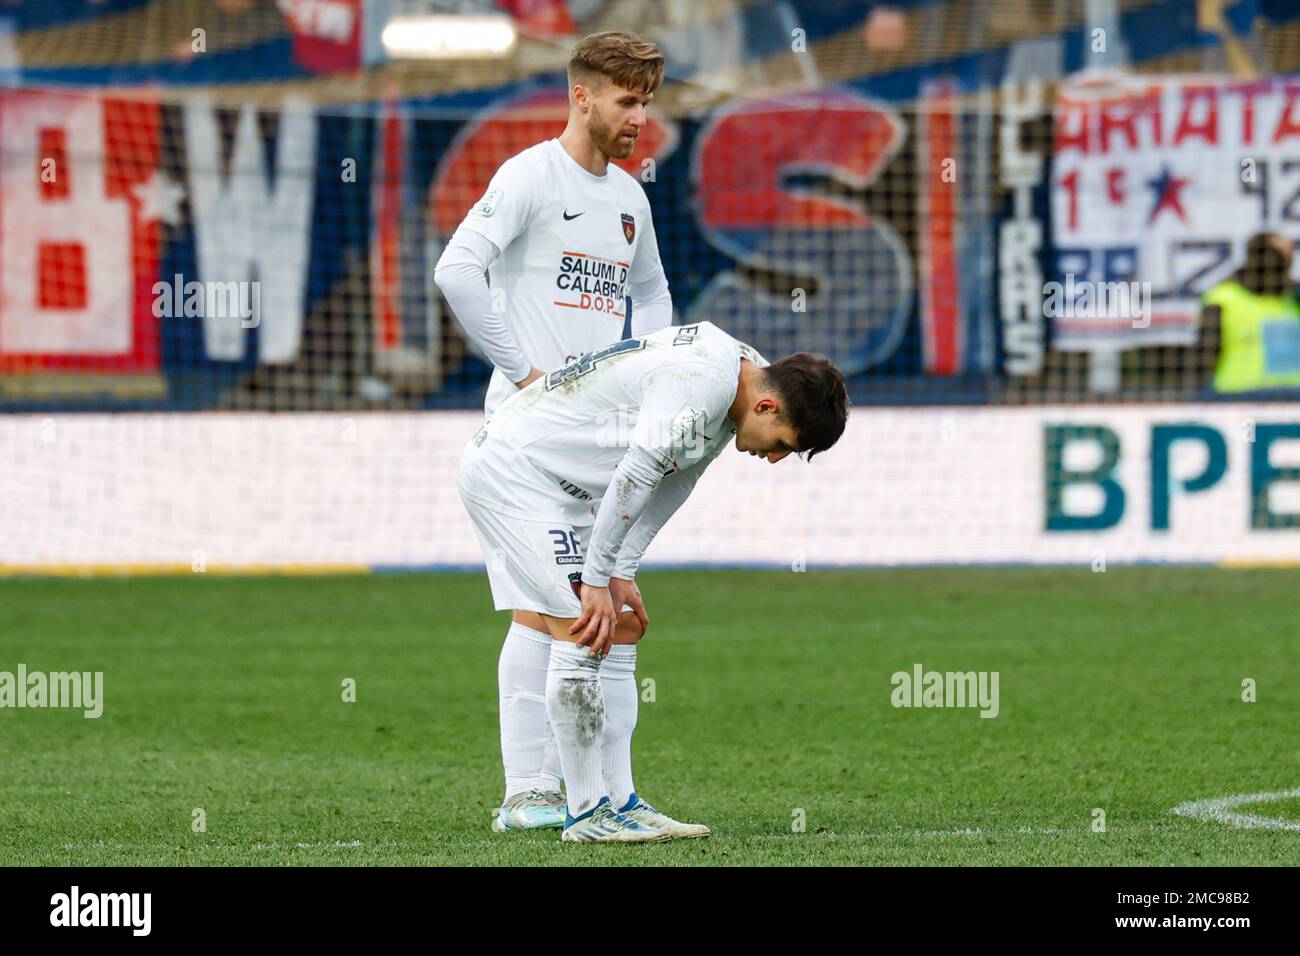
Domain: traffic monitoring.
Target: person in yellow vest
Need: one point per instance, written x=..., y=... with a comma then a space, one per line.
x=1250, y=324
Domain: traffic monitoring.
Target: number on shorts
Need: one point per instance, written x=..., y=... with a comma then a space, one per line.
x=566, y=541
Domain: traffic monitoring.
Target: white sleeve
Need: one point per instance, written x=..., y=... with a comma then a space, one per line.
x=670, y=495
x=677, y=400
x=652, y=304
x=461, y=276
x=510, y=204
x=624, y=502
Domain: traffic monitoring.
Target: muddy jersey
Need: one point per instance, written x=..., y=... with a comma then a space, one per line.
x=550, y=450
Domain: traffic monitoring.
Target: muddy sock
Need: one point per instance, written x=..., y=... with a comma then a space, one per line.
x=575, y=705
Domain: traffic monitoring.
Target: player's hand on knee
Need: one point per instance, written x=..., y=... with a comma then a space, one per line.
x=625, y=591
x=597, y=621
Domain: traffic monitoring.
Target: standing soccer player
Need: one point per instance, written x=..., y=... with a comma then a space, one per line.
x=568, y=483
x=558, y=241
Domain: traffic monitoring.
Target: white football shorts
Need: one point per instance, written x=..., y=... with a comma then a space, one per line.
x=531, y=565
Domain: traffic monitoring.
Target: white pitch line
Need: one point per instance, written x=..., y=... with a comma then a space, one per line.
x=964, y=831
x=1217, y=810
x=973, y=831
x=205, y=845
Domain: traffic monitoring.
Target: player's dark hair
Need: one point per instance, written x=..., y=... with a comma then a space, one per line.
x=813, y=399
x=625, y=58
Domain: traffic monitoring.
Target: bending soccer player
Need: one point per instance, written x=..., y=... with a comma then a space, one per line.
x=559, y=239
x=568, y=483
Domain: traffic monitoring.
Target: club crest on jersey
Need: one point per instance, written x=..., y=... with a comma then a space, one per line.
x=629, y=228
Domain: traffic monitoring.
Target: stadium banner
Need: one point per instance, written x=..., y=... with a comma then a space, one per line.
x=1023, y=254
x=1090, y=487
x=79, y=232
x=190, y=253
x=1157, y=184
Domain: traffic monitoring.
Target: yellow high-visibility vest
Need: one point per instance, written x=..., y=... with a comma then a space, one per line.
x=1259, y=340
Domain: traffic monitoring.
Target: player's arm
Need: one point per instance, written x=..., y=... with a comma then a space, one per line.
x=676, y=402
x=506, y=210
x=652, y=304
x=670, y=495
x=461, y=276
x=625, y=501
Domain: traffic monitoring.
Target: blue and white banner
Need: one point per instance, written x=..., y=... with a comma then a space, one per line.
x=1157, y=184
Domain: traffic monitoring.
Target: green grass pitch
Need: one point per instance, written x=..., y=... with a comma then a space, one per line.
x=1119, y=690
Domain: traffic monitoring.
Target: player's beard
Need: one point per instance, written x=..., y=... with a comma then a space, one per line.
x=606, y=140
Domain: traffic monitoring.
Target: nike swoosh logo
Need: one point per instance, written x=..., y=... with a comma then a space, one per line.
x=574, y=216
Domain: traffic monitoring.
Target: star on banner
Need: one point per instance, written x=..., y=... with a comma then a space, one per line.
x=1168, y=189
x=159, y=198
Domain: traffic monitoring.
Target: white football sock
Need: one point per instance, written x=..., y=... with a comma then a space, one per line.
x=521, y=685
x=576, y=707
x=552, y=773
x=618, y=681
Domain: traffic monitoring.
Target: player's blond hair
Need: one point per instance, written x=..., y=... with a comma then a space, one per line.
x=624, y=58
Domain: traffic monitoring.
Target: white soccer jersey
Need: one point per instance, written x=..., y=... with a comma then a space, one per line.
x=550, y=451
x=572, y=244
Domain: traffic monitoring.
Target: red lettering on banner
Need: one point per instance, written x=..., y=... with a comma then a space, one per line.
x=1117, y=116
x=1070, y=182
x=1071, y=126
x=1248, y=92
x=1087, y=124
x=1147, y=106
x=746, y=189
x=1286, y=123
x=1208, y=127
x=1115, y=185
x=77, y=261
